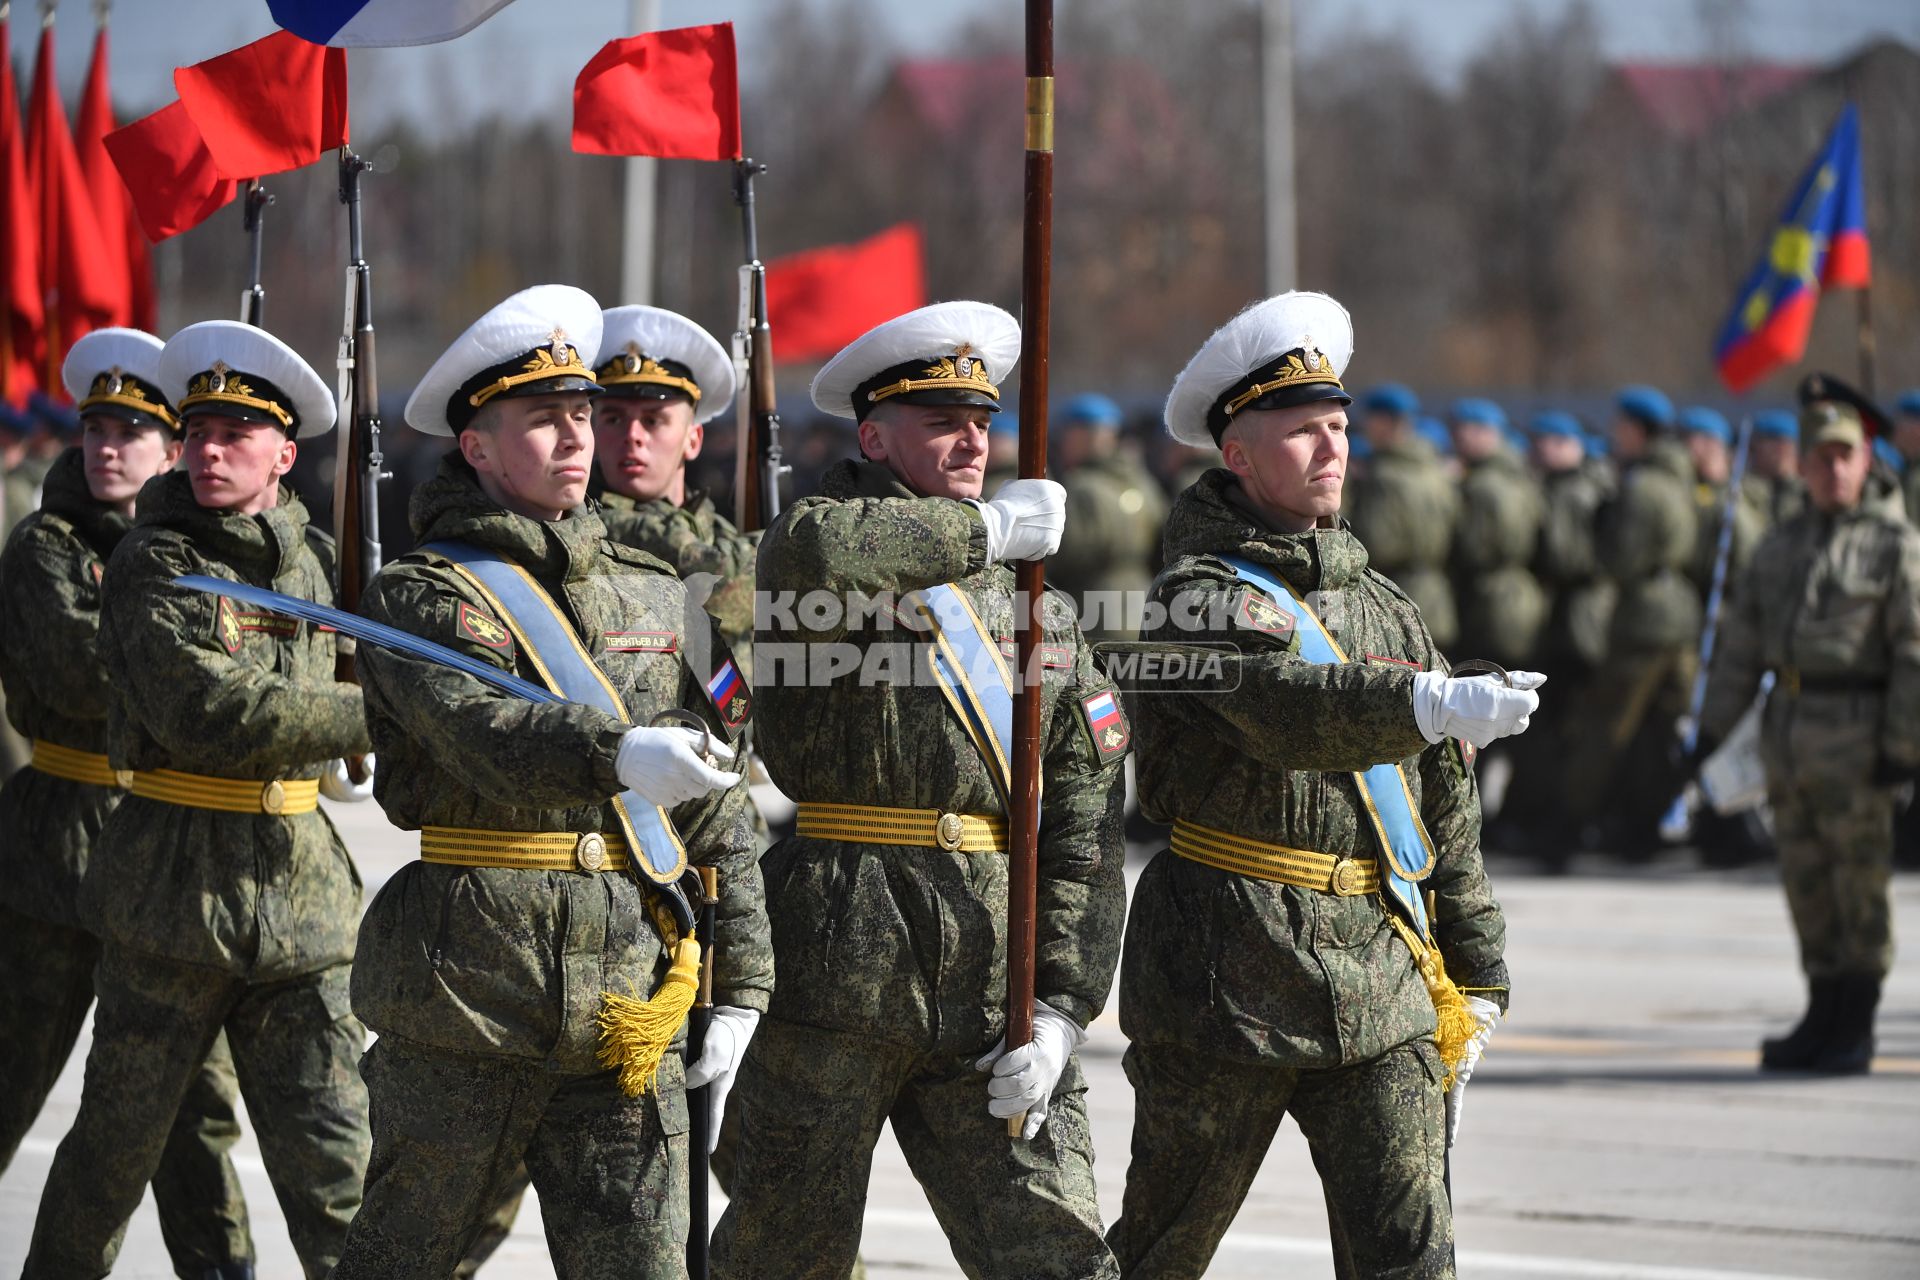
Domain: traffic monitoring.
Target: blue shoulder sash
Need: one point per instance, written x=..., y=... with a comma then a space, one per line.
x=564, y=665
x=973, y=677
x=1406, y=850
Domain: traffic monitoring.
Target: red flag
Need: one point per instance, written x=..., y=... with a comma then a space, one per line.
x=671, y=94
x=822, y=299
x=266, y=107
x=169, y=172
x=19, y=248
x=78, y=287
x=123, y=250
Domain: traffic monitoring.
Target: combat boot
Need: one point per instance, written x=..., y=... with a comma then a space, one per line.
x=1796, y=1050
x=1848, y=1050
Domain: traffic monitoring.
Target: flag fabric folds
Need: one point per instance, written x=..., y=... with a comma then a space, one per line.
x=19, y=247
x=279, y=103
x=368, y=24
x=824, y=298
x=671, y=94
x=79, y=286
x=169, y=172
x=123, y=249
x=1820, y=243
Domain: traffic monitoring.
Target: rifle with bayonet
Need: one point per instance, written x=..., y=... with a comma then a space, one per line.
x=757, y=467
x=358, y=466
x=253, y=301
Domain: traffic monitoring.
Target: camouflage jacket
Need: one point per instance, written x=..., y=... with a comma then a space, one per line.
x=513, y=962
x=1404, y=508
x=1749, y=524
x=1248, y=968
x=1832, y=604
x=1502, y=608
x=908, y=944
x=1568, y=568
x=206, y=686
x=56, y=688
x=1781, y=498
x=1114, y=514
x=694, y=538
x=1647, y=540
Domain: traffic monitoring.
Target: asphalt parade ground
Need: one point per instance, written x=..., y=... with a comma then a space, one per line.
x=1617, y=1127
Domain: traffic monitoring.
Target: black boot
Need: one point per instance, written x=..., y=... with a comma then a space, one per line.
x=1796, y=1050
x=238, y=1270
x=1848, y=1050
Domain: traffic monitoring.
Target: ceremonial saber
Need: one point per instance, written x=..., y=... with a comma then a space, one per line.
x=1036, y=280
x=365, y=629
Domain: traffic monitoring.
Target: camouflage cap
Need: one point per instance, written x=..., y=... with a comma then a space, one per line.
x=1831, y=422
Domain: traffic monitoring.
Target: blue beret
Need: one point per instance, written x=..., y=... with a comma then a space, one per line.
x=1698, y=420
x=1598, y=446
x=1883, y=449
x=1358, y=446
x=1647, y=404
x=1474, y=409
x=1556, y=422
x=1434, y=432
x=1004, y=424
x=1090, y=409
x=1776, y=422
x=1909, y=402
x=61, y=419
x=1391, y=397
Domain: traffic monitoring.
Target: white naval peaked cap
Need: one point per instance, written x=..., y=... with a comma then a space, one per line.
x=948, y=353
x=640, y=348
x=117, y=371
x=1289, y=349
x=239, y=371
x=541, y=339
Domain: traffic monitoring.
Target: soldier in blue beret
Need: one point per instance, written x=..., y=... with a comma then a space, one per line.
x=1403, y=505
x=1502, y=608
x=1773, y=466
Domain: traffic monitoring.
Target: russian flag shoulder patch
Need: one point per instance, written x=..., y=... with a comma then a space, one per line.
x=727, y=689
x=1106, y=724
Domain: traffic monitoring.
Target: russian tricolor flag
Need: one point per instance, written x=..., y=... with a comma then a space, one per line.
x=720, y=688
x=1102, y=711
x=1820, y=243
x=366, y=24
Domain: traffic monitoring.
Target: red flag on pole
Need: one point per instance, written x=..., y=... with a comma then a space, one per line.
x=123, y=250
x=78, y=287
x=672, y=94
x=827, y=297
x=169, y=172
x=19, y=247
x=266, y=107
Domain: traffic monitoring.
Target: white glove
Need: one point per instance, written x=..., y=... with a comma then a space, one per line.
x=1472, y=708
x=720, y=1056
x=1487, y=1014
x=1023, y=1080
x=1025, y=519
x=665, y=767
x=336, y=785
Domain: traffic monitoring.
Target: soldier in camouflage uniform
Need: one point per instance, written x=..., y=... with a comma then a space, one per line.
x=50, y=584
x=1263, y=976
x=1502, y=608
x=665, y=379
x=889, y=904
x=1115, y=509
x=1573, y=644
x=486, y=966
x=1832, y=607
x=1405, y=507
x=1709, y=439
x=1619, y=769
x=1773, y=482
x=222, y=896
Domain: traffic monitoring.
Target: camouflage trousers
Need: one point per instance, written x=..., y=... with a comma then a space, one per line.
x=450, y=1132
x=294, y=1044
x=1836, y=862
x=46, y=988
x=811, y=1103
x=1201, y=1127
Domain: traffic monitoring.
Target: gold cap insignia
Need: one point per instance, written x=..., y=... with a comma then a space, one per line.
x=217, y=379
